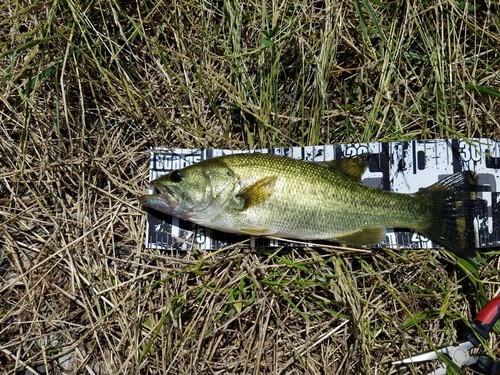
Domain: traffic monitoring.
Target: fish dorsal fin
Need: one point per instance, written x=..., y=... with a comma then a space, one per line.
x=257, y=192
x=365, y=236
x=353, y=167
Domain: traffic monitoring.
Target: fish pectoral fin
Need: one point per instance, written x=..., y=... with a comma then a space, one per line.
x=257, y=192
x=365, y=236
x=353, y=167
x=257, y=231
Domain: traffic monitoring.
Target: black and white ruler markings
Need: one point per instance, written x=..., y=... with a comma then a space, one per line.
x=403, y=167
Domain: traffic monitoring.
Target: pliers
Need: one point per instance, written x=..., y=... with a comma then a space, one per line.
x=459, y=354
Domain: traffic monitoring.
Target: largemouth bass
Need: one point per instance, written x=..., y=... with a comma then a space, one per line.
x=269, y=195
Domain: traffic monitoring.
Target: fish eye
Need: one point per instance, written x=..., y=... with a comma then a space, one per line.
x=176, y=176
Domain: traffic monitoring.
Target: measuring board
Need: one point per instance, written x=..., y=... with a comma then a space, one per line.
x=402, y=167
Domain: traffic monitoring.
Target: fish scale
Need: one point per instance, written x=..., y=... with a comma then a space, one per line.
x=314, y=202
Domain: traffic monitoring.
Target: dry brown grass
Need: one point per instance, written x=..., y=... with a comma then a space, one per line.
x=86, y=87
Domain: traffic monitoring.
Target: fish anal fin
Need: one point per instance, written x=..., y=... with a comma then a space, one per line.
x=353, y=167
x=365, y=236
x=257, y=192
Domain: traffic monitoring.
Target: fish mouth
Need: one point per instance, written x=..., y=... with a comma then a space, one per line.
x=164, y=199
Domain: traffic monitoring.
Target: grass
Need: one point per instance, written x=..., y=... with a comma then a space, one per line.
x=87, y=87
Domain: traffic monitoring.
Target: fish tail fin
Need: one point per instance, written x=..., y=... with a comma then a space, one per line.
x=452, y=201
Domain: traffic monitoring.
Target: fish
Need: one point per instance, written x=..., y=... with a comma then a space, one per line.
x=270, y=195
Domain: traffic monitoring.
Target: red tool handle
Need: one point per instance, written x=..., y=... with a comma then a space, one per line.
x=487, y=317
